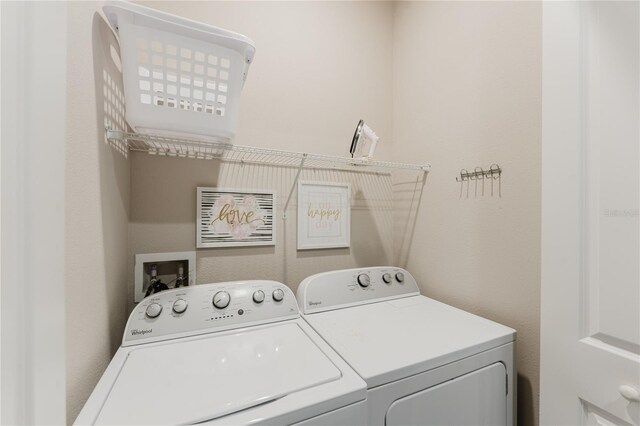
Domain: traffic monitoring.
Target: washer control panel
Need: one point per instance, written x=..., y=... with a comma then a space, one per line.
x=207, y=308
x=350, y=287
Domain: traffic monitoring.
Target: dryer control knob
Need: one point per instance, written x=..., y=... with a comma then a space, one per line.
x=258, y=296
x=278, y=295
x=221, y=299
x=153, y=310
x=179, y=306
x=386, y=278
x=364, y=280
x=399, y=277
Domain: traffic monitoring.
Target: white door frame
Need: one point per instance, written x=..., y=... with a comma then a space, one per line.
x=561, y=162
x=32, y=155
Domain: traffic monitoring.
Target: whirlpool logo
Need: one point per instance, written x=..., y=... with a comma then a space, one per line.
x=314, y=303
x=136, y=332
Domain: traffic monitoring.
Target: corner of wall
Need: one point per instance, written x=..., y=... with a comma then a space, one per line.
x=97, y=205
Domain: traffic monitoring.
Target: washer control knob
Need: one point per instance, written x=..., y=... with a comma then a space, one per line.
x=258, y=296
x=400, y=277
x=364, y=280
x=179, y=306
x=278, y=295
x=153, y=310
x=386, y=278
x=221, y=299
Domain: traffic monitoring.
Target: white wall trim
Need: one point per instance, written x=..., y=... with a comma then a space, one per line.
x=32, y=297
x=561, y=162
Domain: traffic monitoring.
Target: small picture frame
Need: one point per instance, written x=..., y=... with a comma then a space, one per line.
x=324, y=215
x=235, y=218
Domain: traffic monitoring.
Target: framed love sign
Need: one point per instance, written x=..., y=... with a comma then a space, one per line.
x=324, y=215
x=235, y=218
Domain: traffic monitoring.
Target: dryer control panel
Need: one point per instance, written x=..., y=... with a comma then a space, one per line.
x=351, y=287
x=207, y=308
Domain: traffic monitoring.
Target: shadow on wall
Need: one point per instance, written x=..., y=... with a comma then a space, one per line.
x=371, y=227
x=371, y=218
x=525, y=401
x=371, y=223
x=407, y=200
x=163, y=216
x=113, y=176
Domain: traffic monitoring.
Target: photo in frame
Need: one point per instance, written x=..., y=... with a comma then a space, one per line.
x=324, y=215
x=235, y=218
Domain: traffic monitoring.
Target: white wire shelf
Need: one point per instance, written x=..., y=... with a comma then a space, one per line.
x=193, y=148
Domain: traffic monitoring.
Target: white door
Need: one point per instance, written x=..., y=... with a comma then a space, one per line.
x=590, y=343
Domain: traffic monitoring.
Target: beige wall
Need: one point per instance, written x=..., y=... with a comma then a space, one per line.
x=97, y=207
x=455, y=84
x=467, y=93
x=161, y=223
x=319, y=67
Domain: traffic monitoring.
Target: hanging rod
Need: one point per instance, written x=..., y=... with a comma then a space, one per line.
x=194, y=148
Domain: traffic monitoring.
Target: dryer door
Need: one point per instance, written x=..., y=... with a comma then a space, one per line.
x=477, y=398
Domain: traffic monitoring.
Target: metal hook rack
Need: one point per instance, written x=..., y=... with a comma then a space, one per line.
x=494, y=172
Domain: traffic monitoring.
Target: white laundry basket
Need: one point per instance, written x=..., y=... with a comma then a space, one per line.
x=181, y=78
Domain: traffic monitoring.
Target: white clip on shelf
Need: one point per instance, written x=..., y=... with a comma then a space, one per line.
x=194, y=148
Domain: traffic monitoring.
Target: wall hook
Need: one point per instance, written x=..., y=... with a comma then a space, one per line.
x=464, y=175
x=479, y=173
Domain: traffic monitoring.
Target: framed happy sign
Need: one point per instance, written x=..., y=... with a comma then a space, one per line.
x=235, y=218
x=324, y=215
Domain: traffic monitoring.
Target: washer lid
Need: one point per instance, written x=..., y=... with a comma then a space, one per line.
x=388, y=341
x=202, y=379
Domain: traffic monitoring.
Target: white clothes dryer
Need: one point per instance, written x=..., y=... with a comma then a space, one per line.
x=425, y=362
x=227, y=353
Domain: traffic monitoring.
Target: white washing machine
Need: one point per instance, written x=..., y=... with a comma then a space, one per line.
x=228, y=353
x=425, y=363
